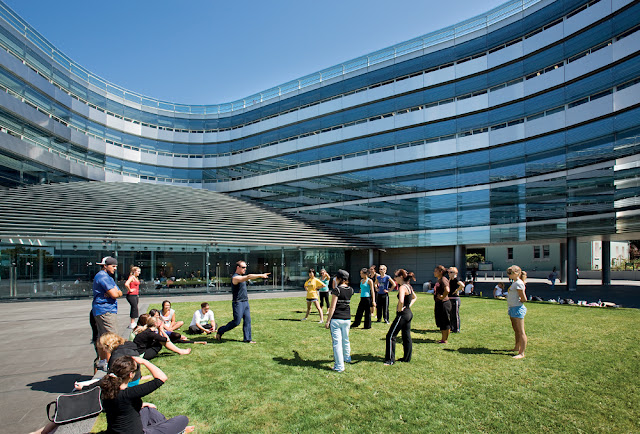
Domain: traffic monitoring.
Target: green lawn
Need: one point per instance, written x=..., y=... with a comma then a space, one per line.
x=580, y=374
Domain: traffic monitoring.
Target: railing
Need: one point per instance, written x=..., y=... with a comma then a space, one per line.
x=471, y=25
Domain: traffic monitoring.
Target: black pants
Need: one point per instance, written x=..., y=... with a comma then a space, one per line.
x=364, y=307
x=382, y=300
x=196, y=331
x=402, y=323
x=454, y=316
x=442, y=312
x=154, y=422
x=133, y=301
x=152, y=352
x=324, y=297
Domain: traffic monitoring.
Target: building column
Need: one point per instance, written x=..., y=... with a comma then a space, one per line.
x=563, y=263
x=460, y=260
x=572, y=263
x=370, y=258
x=606, y=262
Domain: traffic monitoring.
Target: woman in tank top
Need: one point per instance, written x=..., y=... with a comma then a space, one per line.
x=367, y=301
x=168, y=316
x=406, y=298
x=133, y=290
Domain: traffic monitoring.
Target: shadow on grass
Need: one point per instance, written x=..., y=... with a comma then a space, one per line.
x=299, y=361
x=421, y=341
x=357, y=358
x=480, y=350
x=424, y=332
x=287, y=319
x=62, y=383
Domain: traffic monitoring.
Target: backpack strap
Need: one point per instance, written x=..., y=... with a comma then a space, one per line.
x=49, y=411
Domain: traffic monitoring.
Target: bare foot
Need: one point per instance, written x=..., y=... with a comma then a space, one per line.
x=201, y=342
x=250, y=342
x=185, y=352
x=190, y=429
x=519, y=356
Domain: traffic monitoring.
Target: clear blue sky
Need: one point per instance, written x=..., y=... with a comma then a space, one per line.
x=215, y=51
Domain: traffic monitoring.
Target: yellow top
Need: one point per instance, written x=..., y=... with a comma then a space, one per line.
x=312, y=285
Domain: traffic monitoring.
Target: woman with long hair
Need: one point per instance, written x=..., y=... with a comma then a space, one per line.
x=516, y=297
x=126, y=413
x=324, y=291
x=366, y=300
x=133, y=292
x=455, y=286
x=442, y=307
x=168, y=316
x=402, y=322
x=150, y=342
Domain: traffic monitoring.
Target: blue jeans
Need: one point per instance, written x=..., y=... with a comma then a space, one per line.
x=341, y=345
x=240, y=312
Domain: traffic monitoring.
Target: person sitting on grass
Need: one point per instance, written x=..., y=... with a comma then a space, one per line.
x=469, y=288
x=150, y=342
x=169, y=317
x=203, y=320
x=312, y=285
x=498, y=291
x=126, y=413
x=174, y=337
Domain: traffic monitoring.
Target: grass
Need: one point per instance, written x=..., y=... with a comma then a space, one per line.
x=581, y=374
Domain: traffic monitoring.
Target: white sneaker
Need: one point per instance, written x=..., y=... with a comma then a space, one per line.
x=320, y=322
x=102, y=365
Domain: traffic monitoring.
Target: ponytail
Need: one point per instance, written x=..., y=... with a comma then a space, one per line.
x=406, y=276
x=119, y=373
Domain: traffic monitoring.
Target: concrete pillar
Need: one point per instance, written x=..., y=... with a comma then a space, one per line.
x=370, y=258
x=606, y=262
x=460, y=259
x=563, y=263
x=572, y=263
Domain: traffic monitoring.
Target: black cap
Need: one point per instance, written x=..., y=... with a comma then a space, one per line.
x=108, y=260
x=341, y=274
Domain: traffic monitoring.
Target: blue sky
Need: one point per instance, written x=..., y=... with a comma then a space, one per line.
x=214, y=51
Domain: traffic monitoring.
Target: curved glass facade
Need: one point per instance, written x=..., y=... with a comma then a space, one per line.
x=519, y=125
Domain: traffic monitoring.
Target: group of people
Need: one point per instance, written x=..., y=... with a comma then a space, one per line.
x=374, y=294
x=122, y=391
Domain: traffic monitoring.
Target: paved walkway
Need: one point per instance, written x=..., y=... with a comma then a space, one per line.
x=46, y=346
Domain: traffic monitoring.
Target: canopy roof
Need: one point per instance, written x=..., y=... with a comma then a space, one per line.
x=126, y=212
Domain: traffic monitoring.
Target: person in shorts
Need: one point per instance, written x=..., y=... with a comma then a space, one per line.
x=312, y=285
x=516, y=297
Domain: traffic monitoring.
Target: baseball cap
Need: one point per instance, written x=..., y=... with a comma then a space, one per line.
x=108, y=260
x=342, y=274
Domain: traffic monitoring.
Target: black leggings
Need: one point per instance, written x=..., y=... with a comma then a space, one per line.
x=364, y=307
x=402, y=323
x=324, y=297
x=133, y=301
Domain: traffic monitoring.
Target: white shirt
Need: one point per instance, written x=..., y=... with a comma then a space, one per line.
x=498, y=291
x=513, y=299
x=199, y=318
x=468, y=288
x=167, y=319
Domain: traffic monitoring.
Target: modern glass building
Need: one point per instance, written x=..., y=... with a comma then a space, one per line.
x=516, y=126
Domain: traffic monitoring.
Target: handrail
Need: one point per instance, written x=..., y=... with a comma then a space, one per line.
x=471, y=25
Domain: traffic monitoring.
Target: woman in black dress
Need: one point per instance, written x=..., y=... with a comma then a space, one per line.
x=442, y=308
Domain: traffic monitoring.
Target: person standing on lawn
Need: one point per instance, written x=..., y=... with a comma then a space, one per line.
x=455, y=286
x=442, y=307
x=385, y=284
x=406, y=298
x=366, y=299
x=312, y=285
x=240, y=303
x=133, y=291
x=517, y=310
x=338, y=319
x=324, y=291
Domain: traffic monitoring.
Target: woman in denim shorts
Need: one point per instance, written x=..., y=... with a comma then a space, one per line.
x=515, y=300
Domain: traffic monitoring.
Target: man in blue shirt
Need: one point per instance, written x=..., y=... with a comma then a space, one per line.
x=105, y=305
